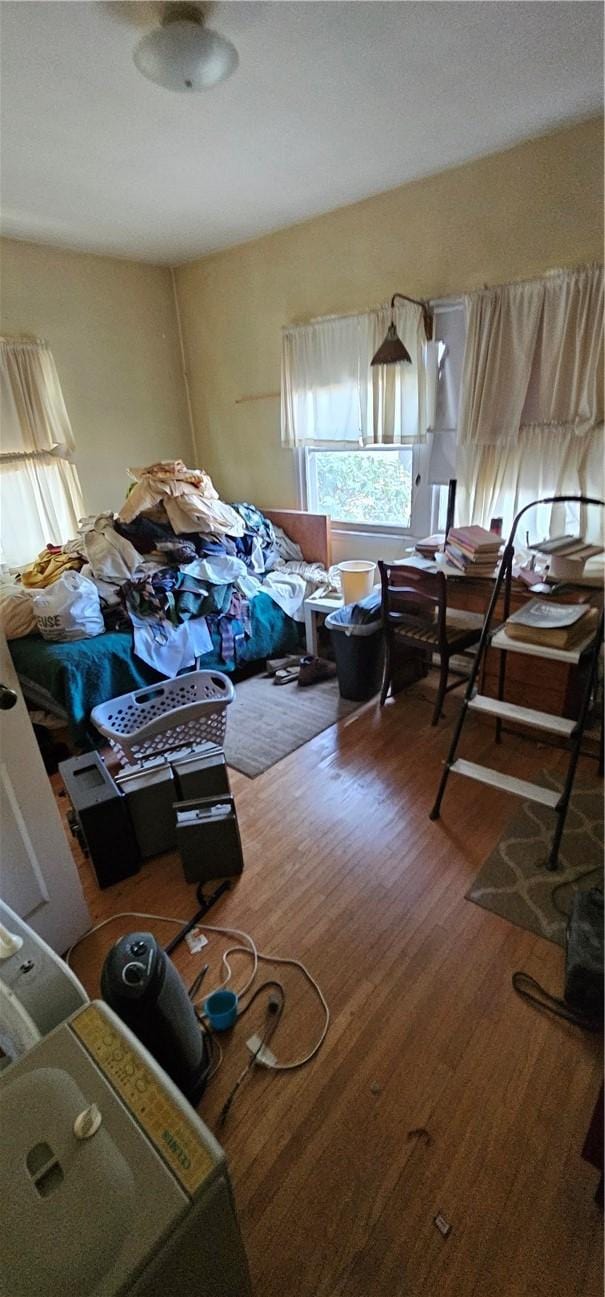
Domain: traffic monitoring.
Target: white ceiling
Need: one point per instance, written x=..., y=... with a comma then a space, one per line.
x=332, y=102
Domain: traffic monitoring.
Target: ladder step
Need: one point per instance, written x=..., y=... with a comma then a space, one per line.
x=520, y=787
x=500, y=640
x=560, y=725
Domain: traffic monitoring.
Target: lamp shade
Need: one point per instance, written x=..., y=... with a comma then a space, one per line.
x=392, y=350
x=183, y=55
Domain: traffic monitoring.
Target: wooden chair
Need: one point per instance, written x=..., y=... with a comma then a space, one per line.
x=415, y=616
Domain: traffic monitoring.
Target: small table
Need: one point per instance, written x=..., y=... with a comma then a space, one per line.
x=312, y=608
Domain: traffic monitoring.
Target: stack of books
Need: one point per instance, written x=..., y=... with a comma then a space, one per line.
x=567, y=547
x=473, y=550
x=431, y=545
x=554, y=625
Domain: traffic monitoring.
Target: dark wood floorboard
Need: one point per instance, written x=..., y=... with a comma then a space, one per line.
x=345, y=871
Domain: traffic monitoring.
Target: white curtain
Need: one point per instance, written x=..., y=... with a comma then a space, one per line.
x=497, y=481
x=332, y=395
x=501, y=331
x=40, y=494
x=531, y=408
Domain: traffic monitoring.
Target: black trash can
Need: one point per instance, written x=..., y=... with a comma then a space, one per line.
x=359, y=655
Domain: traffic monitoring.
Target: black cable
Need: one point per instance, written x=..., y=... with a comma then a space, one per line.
x=275, y=1012
x=263, y=987
x=197, y=982
x=571, y=882
x=205, y=903
x=550, y=1004
x=213, y=1054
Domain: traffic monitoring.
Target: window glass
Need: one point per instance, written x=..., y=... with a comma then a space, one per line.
x=371, y=487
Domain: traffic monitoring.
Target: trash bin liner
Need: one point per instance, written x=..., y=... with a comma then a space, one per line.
x=359, y=655
x=358, y=614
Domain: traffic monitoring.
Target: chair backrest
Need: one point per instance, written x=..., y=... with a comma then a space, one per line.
x=411, y=596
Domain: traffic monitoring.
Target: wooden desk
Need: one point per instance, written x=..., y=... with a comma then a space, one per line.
x=556, y=689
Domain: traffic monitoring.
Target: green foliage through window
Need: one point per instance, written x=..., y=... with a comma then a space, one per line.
x=364, y=486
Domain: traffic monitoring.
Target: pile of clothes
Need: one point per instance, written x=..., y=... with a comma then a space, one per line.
x=173, y=560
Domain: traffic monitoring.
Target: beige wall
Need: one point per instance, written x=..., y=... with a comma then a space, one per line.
x=112, y=328
x=507, y=216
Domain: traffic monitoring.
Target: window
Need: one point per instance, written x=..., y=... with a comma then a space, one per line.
x=40, y=497
x=379, y=488
x=366, y=458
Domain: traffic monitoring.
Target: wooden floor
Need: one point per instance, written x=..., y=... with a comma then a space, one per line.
x=344, y=870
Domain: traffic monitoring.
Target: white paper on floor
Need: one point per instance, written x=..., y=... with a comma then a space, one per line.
x=196, y=941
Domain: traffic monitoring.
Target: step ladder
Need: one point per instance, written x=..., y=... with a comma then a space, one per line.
x=564, y=730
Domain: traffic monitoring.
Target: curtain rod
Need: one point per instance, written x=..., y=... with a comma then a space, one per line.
x=23, y=339
x=344, y=315
x=452, y=299
x=536, y=279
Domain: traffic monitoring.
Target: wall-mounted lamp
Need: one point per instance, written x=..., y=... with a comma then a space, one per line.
x=392, y=350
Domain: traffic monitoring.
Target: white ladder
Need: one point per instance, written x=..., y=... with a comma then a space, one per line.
x=563, y=728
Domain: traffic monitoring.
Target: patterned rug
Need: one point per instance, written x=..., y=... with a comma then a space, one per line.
x=265, y=722
x=514, y=881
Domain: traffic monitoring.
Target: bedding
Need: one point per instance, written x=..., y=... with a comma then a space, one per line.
x=69, y=679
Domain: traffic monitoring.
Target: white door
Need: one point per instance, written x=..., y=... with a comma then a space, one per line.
x=38, y=876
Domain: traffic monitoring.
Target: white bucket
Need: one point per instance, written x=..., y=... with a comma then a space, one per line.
x=357, y=579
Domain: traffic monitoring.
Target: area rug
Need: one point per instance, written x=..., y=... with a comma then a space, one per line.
x=266, y=722
x=514, y=881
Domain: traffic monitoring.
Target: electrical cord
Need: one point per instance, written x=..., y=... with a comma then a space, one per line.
x=125, y=914
x=263, y=987
x=217, y=1046
x=216, y=1056
x=300, y=1062
x=251, y=950
x=197, y=982
x=572, y=882
x=530, y=989
x=274, y=1013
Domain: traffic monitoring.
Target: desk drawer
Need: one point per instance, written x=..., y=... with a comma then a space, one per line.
x=535, y=682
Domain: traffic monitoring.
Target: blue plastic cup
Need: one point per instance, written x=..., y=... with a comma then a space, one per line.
x=221, y=1009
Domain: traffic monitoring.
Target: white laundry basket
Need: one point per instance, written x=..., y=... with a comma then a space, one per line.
x=192, y=708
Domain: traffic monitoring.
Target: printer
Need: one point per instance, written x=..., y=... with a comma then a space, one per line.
x=110, y=1185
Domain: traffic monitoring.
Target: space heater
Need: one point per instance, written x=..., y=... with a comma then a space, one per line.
x=141, y=984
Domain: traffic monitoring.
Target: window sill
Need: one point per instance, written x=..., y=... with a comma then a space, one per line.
x=372, y=529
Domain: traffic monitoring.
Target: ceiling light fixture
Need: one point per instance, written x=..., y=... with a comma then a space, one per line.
x=184, y=55
x=392, y=350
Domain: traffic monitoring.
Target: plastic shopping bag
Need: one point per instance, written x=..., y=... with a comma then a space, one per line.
x=69, y=609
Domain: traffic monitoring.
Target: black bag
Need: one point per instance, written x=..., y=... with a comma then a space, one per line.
x=584, y=967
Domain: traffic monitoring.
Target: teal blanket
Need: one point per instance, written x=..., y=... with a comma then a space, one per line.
x=70, y=679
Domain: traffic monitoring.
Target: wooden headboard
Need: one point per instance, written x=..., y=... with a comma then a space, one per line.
x=309, y=530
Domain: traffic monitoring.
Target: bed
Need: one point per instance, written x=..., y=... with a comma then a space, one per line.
x=68, y=680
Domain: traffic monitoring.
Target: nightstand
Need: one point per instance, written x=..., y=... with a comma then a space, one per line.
x=313, y=608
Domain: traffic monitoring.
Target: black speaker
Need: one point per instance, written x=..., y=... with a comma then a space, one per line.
x=100, y=819
x=142, y=985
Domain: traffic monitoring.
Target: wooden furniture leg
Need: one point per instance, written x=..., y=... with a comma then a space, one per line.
x=311, y=641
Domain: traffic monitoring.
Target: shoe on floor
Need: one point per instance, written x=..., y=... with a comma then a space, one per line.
x=279, y=664
x=284, y=675
x=312, y=670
